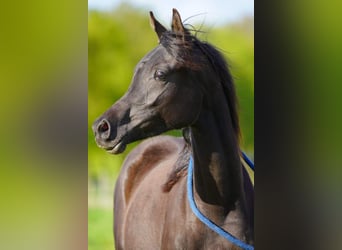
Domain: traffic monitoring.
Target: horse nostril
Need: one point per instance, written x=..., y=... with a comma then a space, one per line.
x=104, y=129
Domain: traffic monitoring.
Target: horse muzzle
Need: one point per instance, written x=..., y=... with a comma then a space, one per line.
x=103, y=131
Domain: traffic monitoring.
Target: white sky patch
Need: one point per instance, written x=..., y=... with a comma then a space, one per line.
x=213, y=12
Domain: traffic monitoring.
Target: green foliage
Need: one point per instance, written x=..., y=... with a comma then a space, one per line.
x=100, y=230
x=117, y=40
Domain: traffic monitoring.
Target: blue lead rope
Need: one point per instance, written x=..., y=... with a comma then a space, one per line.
x=249, y=162
x=206, y=220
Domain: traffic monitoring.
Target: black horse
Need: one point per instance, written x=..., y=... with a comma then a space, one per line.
x=181, y=84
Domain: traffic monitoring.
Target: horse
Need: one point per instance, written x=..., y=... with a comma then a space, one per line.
x=183, y=83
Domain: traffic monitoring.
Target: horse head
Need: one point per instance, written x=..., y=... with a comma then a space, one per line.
x=163, y=95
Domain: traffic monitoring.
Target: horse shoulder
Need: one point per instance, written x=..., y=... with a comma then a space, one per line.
x=143, y=159
x=137, y=166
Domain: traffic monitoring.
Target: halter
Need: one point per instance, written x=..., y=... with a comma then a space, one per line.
x=206, y=220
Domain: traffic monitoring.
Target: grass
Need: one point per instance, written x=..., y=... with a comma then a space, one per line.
x=100, y=229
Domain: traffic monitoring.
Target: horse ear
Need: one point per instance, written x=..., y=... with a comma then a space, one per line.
x=177, y=25
x=158, y=28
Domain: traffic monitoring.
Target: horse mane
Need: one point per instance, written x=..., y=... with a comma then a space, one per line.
x=179, y=169
x=194, y=54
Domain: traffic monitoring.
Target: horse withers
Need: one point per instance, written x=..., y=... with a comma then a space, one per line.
x=181, y=84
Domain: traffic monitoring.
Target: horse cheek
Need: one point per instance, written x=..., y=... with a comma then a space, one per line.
x=183, y=114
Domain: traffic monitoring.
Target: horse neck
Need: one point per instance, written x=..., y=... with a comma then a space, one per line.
x=217, y=166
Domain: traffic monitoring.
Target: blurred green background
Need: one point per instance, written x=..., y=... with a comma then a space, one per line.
x=117, y=40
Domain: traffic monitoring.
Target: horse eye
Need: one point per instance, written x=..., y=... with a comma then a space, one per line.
x=159, y=75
